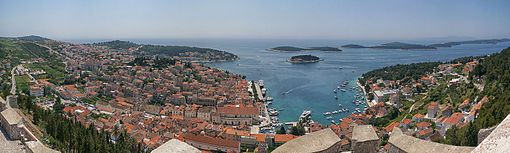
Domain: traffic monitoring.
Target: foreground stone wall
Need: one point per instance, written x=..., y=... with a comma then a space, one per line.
x=498, y=141
x=402, y=143
x=323, y=141
x=364, y=139
x=484, y=133
x=365, y=146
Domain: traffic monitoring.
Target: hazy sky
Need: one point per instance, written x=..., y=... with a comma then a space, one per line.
x=279, y=19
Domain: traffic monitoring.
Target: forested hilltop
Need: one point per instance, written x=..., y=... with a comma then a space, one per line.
x=443, y=102
x=184, y=53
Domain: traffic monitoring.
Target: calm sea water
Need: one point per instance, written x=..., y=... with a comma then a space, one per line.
x=310, y=85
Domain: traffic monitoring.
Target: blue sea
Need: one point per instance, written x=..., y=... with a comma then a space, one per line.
x=310, y=86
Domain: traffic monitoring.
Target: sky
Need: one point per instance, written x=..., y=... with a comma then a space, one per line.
x=258, y=19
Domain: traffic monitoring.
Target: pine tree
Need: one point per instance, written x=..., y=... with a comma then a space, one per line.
x=471, y=135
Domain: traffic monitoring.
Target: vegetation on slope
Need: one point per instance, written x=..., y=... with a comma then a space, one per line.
x=208, y=53
x=405, y=72
x=117, y=44
x=68, y=135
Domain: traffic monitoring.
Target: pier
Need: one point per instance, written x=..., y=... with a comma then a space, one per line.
x=260, y=96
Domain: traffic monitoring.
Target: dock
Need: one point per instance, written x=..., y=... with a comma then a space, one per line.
x=259, y=91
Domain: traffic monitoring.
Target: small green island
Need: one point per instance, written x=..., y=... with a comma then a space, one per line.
x=297, y=49
x=303, y=59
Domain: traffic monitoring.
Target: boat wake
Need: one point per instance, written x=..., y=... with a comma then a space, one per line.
x=291, y=90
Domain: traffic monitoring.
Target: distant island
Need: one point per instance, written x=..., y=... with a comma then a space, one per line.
x=353, y=46
x=297, y=49
x=486, y=41
x=407, y=46
x=393, y=45
x=302, y=59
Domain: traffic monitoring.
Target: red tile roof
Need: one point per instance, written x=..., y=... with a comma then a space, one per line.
x=418, y=116
x=423, y=124
x=282, y=138
x=425, y=132
x=211, y=140
x=407, y=121
x=454, y=119
x=260, y=137
x=433, y=105
x=390, y=127
x=238, y=110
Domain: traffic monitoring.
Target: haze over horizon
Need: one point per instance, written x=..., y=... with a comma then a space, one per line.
x=289, y=19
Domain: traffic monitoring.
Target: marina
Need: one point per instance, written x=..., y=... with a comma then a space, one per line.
x=310, y=86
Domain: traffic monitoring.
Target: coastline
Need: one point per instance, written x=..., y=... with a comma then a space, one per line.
x=364, y=93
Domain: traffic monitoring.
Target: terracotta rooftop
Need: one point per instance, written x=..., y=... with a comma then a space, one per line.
x=407, y=121
x=211, y=140
x=390, y=127
x=238, y=110
x=423, y=124
x=279, y=138
x=418, y=115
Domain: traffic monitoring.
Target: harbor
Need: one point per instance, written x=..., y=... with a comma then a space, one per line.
x=359, y=100
x=270, y=118
x=298, y=87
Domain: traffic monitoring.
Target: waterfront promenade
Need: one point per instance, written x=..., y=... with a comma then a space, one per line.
x=369, y=103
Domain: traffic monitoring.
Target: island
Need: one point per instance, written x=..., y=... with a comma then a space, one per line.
x=353, y=46
x=302, y=59
x=486, y=41
x=407, y=46
x=394, y=45
x=297, y=49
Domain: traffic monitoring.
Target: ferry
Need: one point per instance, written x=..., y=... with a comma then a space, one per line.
x=273, y=112
x=274, y=119
x=261, y=83
x=305, y=115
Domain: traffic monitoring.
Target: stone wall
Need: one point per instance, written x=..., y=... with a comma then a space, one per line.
x=483, y=133
x=498, y=140
x=365, y=146
x=402, y=143
x=364, y=139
